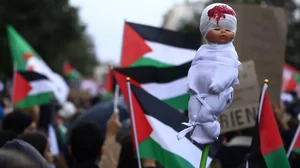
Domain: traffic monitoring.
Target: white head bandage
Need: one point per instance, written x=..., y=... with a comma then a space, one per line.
x=218, y=15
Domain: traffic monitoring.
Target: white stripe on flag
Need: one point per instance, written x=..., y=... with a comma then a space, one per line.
x=41, y=86
x=167, y=138
x=169, y=54
x=168, y=90
x=286, y=77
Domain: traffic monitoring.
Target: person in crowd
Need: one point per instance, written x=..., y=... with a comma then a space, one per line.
x=6, y=136
x=15, y=159
x=111, y=147
x=85, y=144
x=127, y=158
x=19, y=122
x=27, y=150
x=237, y=147
x=40, y=142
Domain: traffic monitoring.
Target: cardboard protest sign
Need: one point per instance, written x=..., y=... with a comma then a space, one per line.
x=261, y=37
x=238, y=118
x=247, y=92
x=242, y=112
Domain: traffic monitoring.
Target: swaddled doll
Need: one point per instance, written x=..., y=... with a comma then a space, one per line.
x=212, y=74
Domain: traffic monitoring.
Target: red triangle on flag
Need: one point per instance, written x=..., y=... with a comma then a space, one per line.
x=67, y=68
x=108, y=85
x=291, y=85
x=21, y=88
x=26, y=56
x=297, y=142
x=270, y=138
x=143, y=127
x=134, y=46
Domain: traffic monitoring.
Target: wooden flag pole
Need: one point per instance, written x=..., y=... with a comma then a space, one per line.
x=204, y=156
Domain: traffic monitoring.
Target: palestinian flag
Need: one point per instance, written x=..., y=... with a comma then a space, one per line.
x=295, y=145
x=31, y=89
x=109, y=82
x=168, y=84
x=150, y=46
x=70, y=72
x=267, y=149
x=157, y=126
x=26, y=59
x=289, y=78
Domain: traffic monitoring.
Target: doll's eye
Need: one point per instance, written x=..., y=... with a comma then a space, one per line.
x=217, y=29
x=228, y=30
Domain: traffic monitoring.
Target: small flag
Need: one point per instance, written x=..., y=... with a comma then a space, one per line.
x=26, y=59
x=150, y=46
x=168, y=84
x=31, y=89
x=157, y=126
x=267, y=149
x=71, y=72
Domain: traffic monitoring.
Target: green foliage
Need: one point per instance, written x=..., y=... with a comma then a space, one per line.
x=192, y=27
x=52, y=28
x=293, y=43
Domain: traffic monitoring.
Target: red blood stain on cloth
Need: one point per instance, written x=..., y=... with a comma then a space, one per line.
x=219, y=12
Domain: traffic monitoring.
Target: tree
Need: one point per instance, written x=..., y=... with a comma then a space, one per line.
x=52, y=28
x=193, y=25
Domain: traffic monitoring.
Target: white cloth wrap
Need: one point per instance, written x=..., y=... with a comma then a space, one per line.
x=204, y=110
x=207, y=24
x=214, y=65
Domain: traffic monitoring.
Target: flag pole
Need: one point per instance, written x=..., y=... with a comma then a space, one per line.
x=117, y=88
x=133, y=122
x=117, y=91
x=116, y=98
x=293, y=142
x=122, y=43
x=204, y=156
x=13, y=83
x=266, y=81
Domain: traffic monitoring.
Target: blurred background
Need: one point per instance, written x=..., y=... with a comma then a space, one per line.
x=76, y=43
x=88, y=33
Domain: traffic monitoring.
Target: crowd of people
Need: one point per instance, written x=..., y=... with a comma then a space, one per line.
x=91, y=134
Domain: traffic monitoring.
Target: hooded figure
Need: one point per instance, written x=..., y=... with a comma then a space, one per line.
x=28, y=150
x=212, y=74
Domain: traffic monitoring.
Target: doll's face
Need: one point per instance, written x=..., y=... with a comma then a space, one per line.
x=219, y=36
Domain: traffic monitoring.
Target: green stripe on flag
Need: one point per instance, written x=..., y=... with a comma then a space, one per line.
x=297, y=150
x=179, y=102
x=18, y=47
x=74, y=75
x=33, y=100
x=144, y=61
x=271, y=159
x=152, y=150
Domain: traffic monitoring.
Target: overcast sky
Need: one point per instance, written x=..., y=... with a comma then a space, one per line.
x=105, y=18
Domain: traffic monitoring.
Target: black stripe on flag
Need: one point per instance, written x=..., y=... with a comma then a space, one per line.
x=167, y=115
x=255, y=157
x=149, y=74
x=32, y=76
x=168, y=37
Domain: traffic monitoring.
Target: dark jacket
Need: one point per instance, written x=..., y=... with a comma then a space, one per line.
x=85, y=165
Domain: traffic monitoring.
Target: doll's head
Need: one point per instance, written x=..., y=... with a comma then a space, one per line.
x=218, y=23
